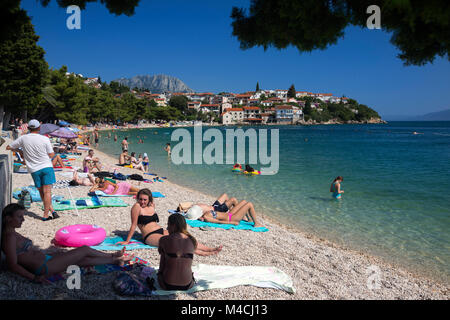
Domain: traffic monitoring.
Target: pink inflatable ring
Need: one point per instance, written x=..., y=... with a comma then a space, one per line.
x=78, y=235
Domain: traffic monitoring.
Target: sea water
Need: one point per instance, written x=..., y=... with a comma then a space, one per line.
x=396, y=183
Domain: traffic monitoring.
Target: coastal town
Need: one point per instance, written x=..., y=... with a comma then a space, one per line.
x=251, y=107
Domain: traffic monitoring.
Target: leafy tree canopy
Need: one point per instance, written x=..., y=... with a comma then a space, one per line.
x=420, y=29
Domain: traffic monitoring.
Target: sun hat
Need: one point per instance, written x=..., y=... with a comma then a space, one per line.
x=194, y=213
x=33, y=124
x=145, y=155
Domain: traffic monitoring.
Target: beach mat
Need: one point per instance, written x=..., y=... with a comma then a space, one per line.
x=210, y=277
x=243, y=225
x=102, y=194
x=88, y=203
x=110, y=244
x=101, y=269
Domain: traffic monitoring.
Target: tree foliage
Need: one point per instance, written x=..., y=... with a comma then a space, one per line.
x=420, y=29
x=22, y=69
x=291, y=92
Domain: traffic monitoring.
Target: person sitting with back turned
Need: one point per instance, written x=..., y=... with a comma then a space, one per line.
x=177, y=253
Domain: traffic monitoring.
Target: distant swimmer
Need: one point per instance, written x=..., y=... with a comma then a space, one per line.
x=115, y=137
x=167, y=148
x=306, y=139
x=417, y=132
x=336, y=187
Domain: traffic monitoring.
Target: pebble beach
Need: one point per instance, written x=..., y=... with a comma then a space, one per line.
x=319, y=269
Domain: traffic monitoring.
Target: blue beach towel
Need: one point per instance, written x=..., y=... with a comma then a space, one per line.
x=110, y=244
x=243, y=225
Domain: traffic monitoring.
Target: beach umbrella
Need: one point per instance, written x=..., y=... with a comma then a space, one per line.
x=47, y=128
x=64, y=133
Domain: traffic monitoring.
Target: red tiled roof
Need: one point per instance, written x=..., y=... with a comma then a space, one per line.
x=234, y=109
x=254, y=119
x=283, y=107
x=251, y=108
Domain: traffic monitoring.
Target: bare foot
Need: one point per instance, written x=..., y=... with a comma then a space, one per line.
x=218, y=249
x=119, y=253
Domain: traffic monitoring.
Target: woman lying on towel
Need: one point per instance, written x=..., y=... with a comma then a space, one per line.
x=30, y=262
x=108, y=187
x=224, y=214
x=177, y=252
x=77, y=181
x=143, y=215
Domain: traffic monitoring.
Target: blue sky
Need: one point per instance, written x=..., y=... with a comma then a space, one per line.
x=192, y=40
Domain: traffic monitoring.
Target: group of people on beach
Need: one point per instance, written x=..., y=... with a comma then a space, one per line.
x=175, y=244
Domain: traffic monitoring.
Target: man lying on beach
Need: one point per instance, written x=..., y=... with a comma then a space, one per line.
x=144, y=217
x=24, y=259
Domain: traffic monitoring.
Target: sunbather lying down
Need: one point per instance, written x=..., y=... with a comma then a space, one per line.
x=77, y=181
x=228, y=211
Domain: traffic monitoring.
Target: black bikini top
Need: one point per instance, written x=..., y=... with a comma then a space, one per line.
x=147, y=219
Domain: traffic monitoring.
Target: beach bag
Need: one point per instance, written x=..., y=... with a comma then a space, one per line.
x=184, y=206
x=128, y=284
x=136, y=177
x=119, y=176
x=25, y=199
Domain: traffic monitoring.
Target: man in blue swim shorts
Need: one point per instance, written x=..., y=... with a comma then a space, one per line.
x=37, y=151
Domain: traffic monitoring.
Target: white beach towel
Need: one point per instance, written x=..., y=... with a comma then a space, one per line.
x=69, y=174
x=220, y=277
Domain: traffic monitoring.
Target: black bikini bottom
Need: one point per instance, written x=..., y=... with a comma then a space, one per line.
x=160, y=231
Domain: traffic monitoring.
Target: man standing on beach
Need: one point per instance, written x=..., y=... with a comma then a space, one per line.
x=37, y=151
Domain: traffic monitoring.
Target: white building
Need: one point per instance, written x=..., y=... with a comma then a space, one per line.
x=233, y=116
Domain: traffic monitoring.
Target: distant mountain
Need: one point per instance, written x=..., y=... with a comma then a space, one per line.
x=156, y=84
x=443, y=115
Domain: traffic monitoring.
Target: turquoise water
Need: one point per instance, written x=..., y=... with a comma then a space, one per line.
x=397, y=185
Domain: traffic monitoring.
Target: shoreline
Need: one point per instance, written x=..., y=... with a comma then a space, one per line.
x=324, y=241
x=318, y=268
x=414, y=271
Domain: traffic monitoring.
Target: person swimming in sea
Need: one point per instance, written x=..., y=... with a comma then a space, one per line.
x=335, y=187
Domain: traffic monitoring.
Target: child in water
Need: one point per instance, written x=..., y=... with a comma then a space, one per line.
x=336, y=187
x=145, y=162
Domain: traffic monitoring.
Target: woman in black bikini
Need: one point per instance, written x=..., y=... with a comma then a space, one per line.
x=29, y=262
x=143, y=215
x=177, y=253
